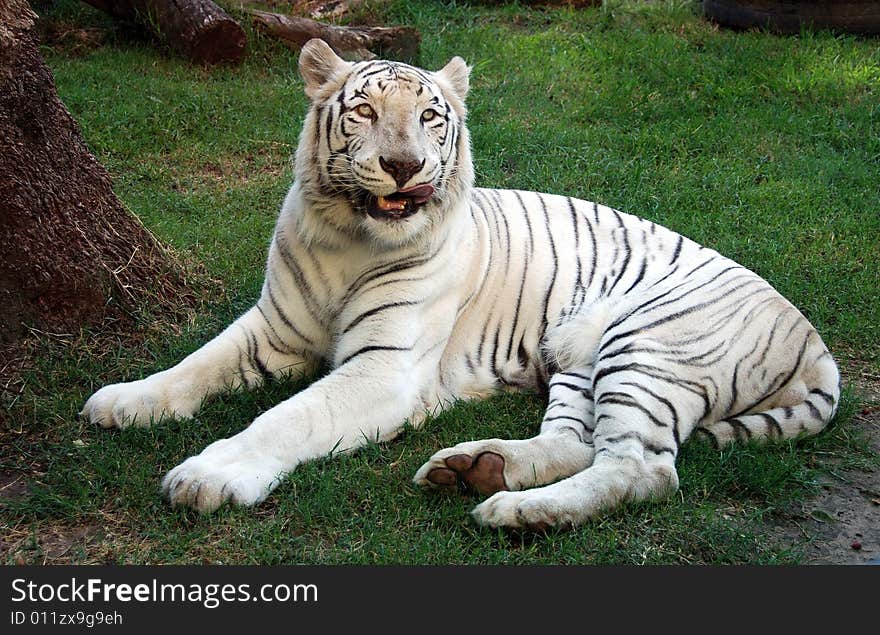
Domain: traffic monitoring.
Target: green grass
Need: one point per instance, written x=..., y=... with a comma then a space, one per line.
x=765, y=148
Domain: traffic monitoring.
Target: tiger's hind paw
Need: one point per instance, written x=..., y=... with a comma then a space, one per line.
x=496, y=465
x=482, y=472
x=522, y=510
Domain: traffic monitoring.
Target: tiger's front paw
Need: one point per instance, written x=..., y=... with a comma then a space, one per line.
x=221, y=473
x=140, y=403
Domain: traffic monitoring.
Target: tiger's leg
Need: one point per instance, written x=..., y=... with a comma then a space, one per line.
x=242, y=356
x=636, y=437
x=563, y=447
x=805, y=406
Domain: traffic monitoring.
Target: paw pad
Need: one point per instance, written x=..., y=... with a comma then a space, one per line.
x=485, y=474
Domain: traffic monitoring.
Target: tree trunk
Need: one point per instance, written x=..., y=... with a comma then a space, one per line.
x=790, y=16
x=198, y=29
x=351, y=43
x=70, y=254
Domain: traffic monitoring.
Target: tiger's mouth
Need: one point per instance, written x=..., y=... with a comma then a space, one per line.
x=400, y=204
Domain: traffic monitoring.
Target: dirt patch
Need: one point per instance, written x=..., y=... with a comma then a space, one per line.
x=228, y=171
x=842, y=523
x=238, y=170
x=51, y=545
x=13, y=486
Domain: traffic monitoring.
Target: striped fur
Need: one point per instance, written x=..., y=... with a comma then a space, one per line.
x=639, y=336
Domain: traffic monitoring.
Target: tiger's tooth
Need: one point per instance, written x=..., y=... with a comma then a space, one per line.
x=389, y=205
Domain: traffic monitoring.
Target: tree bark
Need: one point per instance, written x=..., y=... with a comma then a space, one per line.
x=351, y=43
x=71, y=255
x=198, y=29
x=791, y=16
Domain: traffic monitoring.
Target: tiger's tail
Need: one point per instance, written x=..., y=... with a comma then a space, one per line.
x=813, y=399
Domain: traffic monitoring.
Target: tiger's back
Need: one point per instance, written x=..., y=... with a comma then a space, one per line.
x=564, y=267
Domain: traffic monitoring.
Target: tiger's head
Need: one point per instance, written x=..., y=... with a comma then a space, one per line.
x=384, y=151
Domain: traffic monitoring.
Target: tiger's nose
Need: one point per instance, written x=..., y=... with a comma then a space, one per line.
x=401, y=170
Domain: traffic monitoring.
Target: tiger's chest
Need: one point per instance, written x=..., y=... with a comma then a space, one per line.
x=514, y=266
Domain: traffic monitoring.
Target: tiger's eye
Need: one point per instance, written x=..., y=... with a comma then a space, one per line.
x=364, y=110
x=429, y=114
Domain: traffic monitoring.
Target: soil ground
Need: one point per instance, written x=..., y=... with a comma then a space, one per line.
x=843, y=521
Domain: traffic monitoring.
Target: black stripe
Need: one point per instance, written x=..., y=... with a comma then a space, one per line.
x=709, y=435
x=677, y=251
x=734, y=391
x=283, y=316
x=635, y=436
x=663, y=279
x=241, y=370
x=700, y=266
x=719, y=348
x=493, y=362
x=738, y=426
x=255, y=358
x=469, y=363
x=677, y=315
x=814, y=411
x=595, y=250
x=385, y=269
x=329, y=126
x=571, y=373
x=555, y=383
x=776, y=386
x=640, y=276
x=665, y=402
x=482, y=342
x=366, y=73
x=770, y=340
x=687, y=281
x=522, y=284
x=623, y=399
x=370, y=349
x=544, y=320
x=522, y=355
x=772, y=425
x=306, y=292
x=651, y=371
x=284, y=348
x=374, y=311
x=561, y=417
x=828, y=398
x=577, y=244
x=627, y=256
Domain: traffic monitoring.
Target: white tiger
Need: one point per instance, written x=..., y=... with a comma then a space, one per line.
x=419, y=290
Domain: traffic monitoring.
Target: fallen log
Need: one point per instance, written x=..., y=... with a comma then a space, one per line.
x=792, y=16
x=197, y=29
x=354, y=43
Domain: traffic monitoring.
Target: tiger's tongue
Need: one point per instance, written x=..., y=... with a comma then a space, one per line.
x=418, y=194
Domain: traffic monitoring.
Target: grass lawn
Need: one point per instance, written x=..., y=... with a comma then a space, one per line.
x=765, y=148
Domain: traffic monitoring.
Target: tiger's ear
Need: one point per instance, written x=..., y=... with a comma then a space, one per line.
x=318, y=64
x=457, y=75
